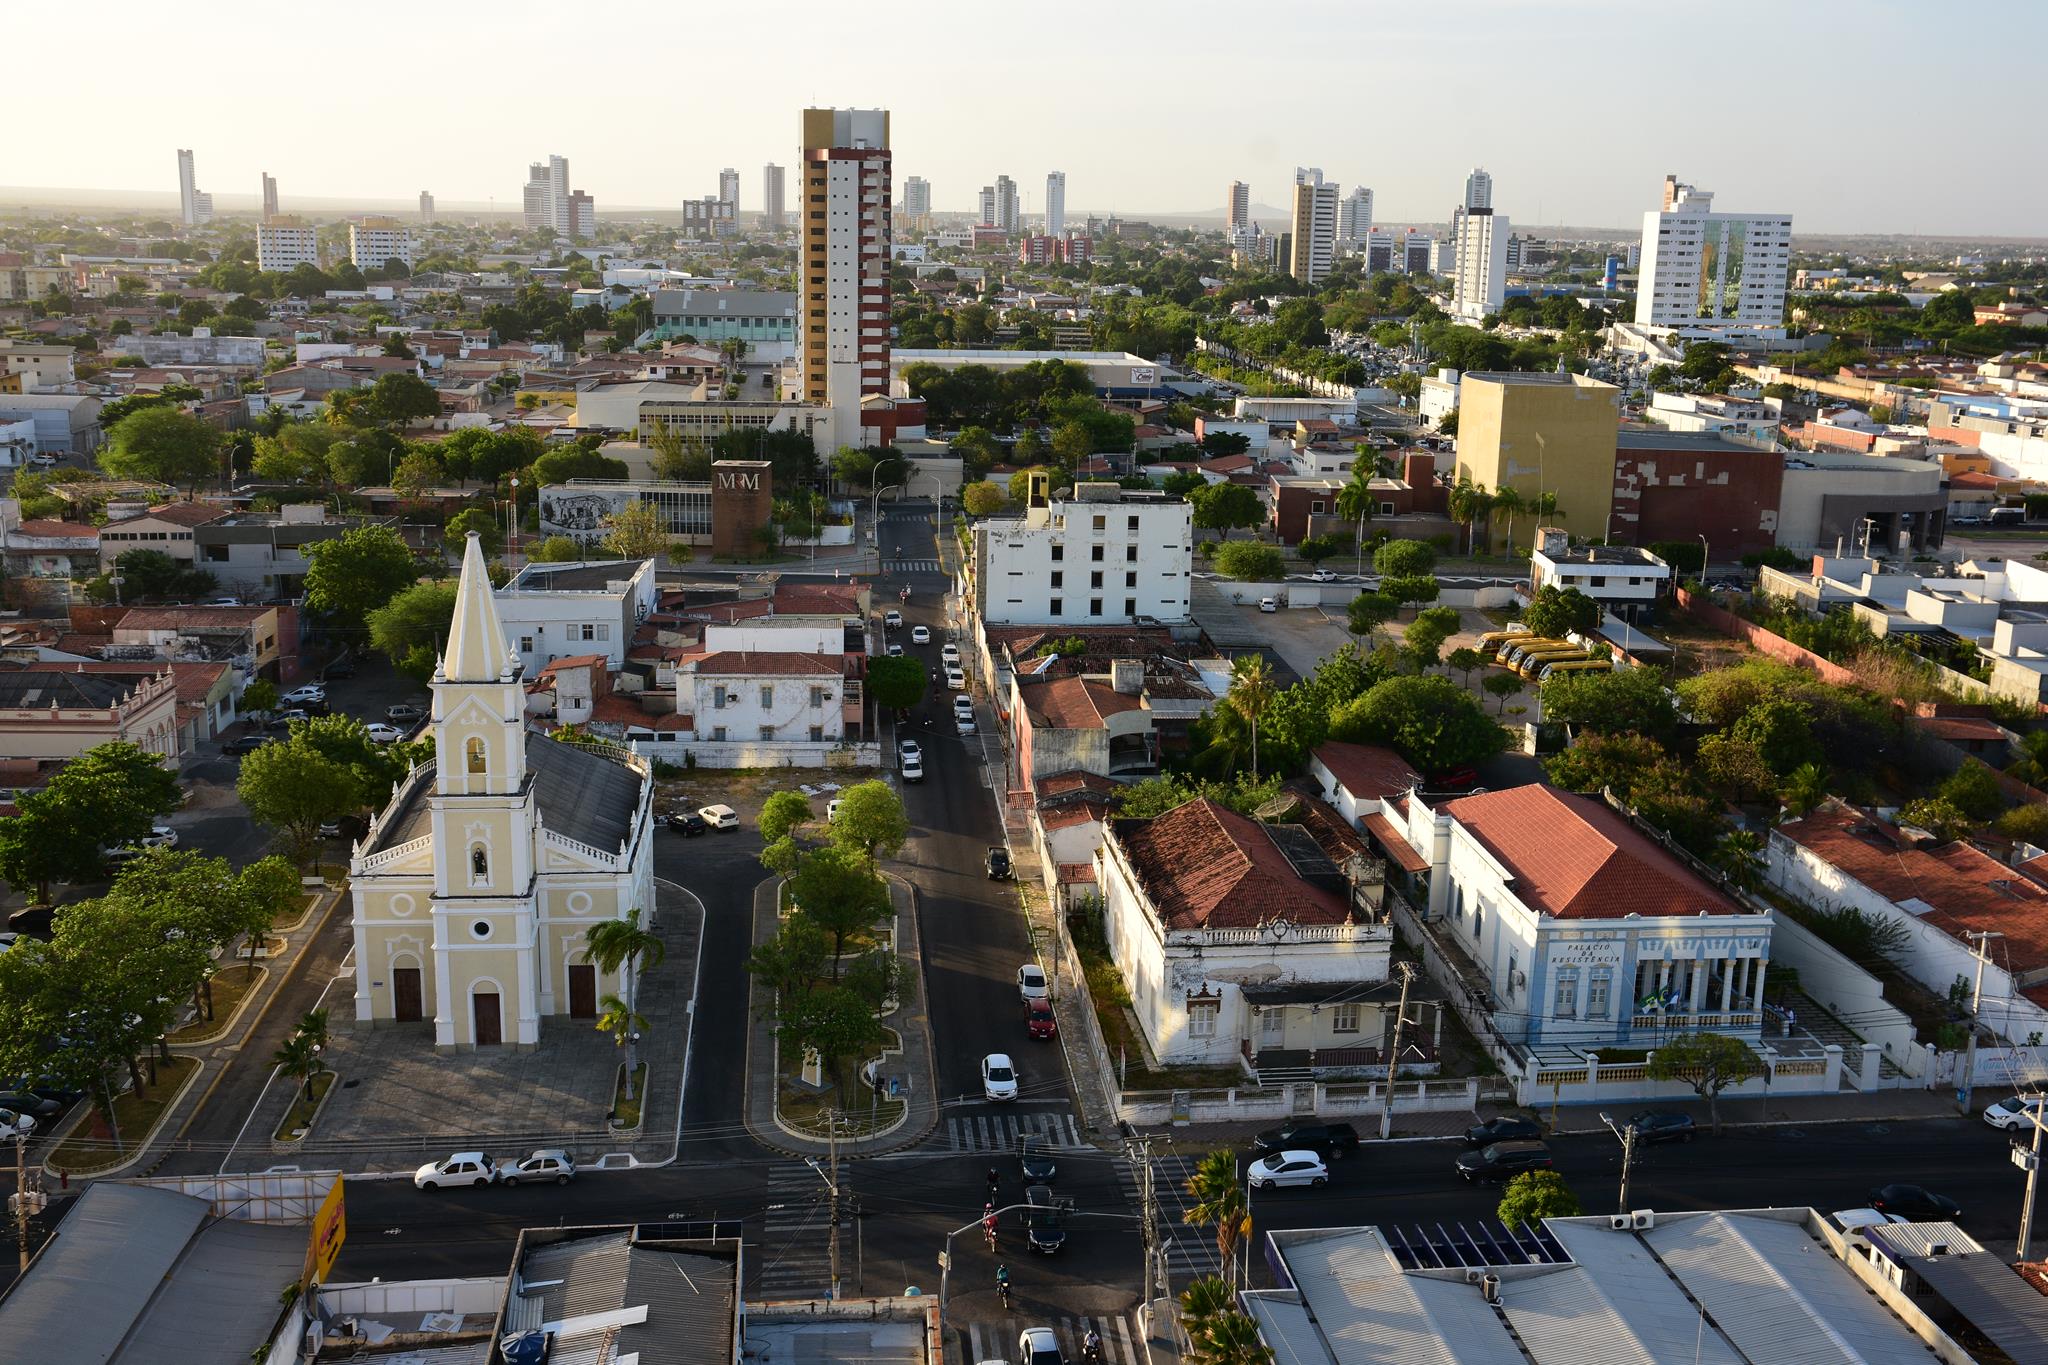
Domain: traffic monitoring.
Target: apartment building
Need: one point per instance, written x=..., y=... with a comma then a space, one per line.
x=374, y=241
x=844, y=264
x=1096, y=555
x=1542, y=433
x=1706, y=273
x=1314, y=231
x=283, y=242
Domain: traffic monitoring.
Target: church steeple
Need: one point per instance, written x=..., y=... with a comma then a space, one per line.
x=476, y=639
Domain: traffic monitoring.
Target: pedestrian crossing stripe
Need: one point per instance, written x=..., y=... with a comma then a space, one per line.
x=1122, y=1341
x=794, y=1259
x=913, y=565
x=1190, y=1250
x=1004, y=1133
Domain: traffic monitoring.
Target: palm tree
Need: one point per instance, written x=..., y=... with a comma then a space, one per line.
x=617, y=948
x=617, y=1018
x=1355, y=501
x=298, y=1058
x=1740, y=854
x=1545, y=508
x=2031, y=767
x=1220, y=1199
x=1805, y=788
x=1513, y=503
x=1251, y=692
x=1202, y=1303
x=1469, y=504
x=1230, y=1338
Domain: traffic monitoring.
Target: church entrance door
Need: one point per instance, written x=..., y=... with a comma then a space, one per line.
x=490, y=1028
x=405, y=995
x=582, y=991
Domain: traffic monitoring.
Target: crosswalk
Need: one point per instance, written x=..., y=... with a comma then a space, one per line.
x=1190, y=1250
x=794, y=1254
x=1123, y=1343
x=911, y=566
x=1006, y=1132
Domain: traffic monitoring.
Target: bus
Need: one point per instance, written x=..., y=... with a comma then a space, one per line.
x=1556, y=666
x=1533, y=663
x=1490, y=643
x=1512, y=653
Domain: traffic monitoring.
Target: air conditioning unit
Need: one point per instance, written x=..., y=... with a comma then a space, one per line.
x=1620, y=1222
x=1643, y=1219
x=1474, y=1276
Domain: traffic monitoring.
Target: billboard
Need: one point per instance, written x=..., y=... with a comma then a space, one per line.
x=329, y=1231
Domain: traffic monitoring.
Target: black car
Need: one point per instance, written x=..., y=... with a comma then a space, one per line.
x=1330, y=1141
x=340, y=668
x=244, y=744
x=1044, y=1226
x=44, y=1088
x=1911, y=1201
x=37, y=1107
x=1503, y=1161
x=1662, y=1125
x=998, y=864
x=1505, y=1128
x=1037, y=1163
x=687, y=822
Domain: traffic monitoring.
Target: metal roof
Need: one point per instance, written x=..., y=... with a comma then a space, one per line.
x=658, y=1305
x=1371, y=1312
x=1997, y=1302
x=1286, y=1328
x=582, y=794
x=1616, y=1304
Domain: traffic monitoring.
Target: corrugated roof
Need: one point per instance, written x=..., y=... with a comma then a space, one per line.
x=1372, y=1313
x=1615, y=1304
x=686, y=1301
x=1286, y=1328
x=1998, y=1303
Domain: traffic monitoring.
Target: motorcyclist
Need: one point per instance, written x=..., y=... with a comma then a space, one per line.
x=1003, y=1284
x=1091, y=1349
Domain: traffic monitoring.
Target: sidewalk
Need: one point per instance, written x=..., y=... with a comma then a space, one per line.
x=1756, y=1111
x=911, y=1021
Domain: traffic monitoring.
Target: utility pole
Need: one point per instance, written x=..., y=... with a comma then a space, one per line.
x=832, y=1129
x=26, y=1200
x=1628, y=1155
x=2033, y=1165
x=1140, y=1151
x=1977, y=990
x=1407, y=970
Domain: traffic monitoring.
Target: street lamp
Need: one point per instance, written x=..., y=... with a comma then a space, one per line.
x=946, y=1256
x=875, y=519
x=512, y=531
x=1703, y=559
x=1627, y=1137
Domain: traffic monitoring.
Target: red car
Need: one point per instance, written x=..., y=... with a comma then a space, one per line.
x=1038, y=1019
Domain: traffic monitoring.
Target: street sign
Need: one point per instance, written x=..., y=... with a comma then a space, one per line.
x=945, y=1260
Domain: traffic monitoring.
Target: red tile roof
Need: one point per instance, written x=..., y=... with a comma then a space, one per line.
x=49, y=529
x=1076, y=703
x=1572, y=857
x=200, y=618
x=1205, y=867
x=1074, y=779
x=1970, y=891
x=1962, y=727
x=573, y=661
x=1367, y=771
x=1393, y=845
x=746, y=663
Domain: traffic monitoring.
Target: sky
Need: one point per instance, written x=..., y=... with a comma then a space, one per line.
x=1844, y=113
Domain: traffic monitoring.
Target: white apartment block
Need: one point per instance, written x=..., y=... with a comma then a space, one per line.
x=194, y=205
x=287, y=242
x=771, y=196
x=1704, y=271
x=1056, y=204
x=1478, y=190
x=1238, y=216
x=377, y=240
x=1315, y=230
x=1101, y=555
x=1354, y=216
x=1481, y=265
x=729, y=187
x=558, y=193
x=917, y=198
x=844, y=344
x=560, y=611
x=733, y=696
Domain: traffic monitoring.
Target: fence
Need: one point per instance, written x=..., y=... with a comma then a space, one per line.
x=1589, y=1081
x=1281, y=1102
x=1767, y=642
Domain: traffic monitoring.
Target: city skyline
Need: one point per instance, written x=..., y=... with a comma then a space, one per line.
x=1584, y=162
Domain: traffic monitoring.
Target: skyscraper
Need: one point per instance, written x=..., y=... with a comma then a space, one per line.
x=988, y=212
x=1481, y=264
x=426, y=207
x=729, y=187
x=1007, y=217
x=1354, y=216
x=845, y=337
x=558, y=193
x=1238, y=213
x=534, y=201
x=582, y=216
x=1708, y=271
x=1056, y=204
x=1308, y=175
x=1478, y=190
x=771, y=197
x=269, y=195
x=917, y=200
x=1313, y=231
x=194, y=206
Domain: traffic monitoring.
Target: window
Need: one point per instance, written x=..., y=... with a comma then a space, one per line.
x=817, y=697
x=474, y=752
x=526, y=644
x=767, y=695
x=1059, y=578
x=1059, y=552
x=1566, y=1003
x=1130, y=580
x=1131, y=522
x=1095, y=579
x=1130, y=606
x=1095, y=606
x=1509, y=980
x=1597, y=989
x=1344, y=1019
x=583, y=632
x=1315, y=507
x=718, y=733
x=1130, y=554
x=604, y=632
x=1099, y=524
x=1055, y=607
x=1202, y=1018
x=767, y=732
x=718, y=698
x=1386, y=509
x=1095, y=553
x=817, y=734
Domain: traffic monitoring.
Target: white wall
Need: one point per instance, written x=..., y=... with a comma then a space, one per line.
x=789, y=712
x=1016, y=563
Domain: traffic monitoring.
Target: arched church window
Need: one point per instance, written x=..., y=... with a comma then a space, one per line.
x=475, y=751
x=479, y=864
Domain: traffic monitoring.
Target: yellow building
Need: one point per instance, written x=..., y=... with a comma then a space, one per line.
x=476, y=886
x=1542, y=433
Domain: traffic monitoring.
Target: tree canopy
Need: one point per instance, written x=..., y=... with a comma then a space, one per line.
x=1431, y=721
x=357, y=572
x=164, y=445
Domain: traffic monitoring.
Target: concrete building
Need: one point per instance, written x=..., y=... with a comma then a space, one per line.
x=771, y=197
x=167, y=529
x=269, y=196
x=58, y=714
x=1099, y=554
x=426, y=207
x=46, y=548
x=917, y=201
x=1308, y=175
x=582, y=216
x=476, y=887
x=765, y=319
x=708, y=217
x=1115, y=374
x=844, y=347
x=737, y=696
x=1314, y=231
x=39, y=368
x=374, y=241
x=1542, y=433
x=1479, y=281
x=1715, y=413
x=1830, y=501
x=1681, y=486
x=1056, y=204
x=285, y=241
x=558, y=193
x=1705, y=274
x=1625, y=581
x=259, y=555
x=195, y=206
x=729, y=187
x=1354, y=217
x=534, y=197
x=1238, y=211
x=64, y=422
x=556, y=611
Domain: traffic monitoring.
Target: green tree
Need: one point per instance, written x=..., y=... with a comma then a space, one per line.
x=1464, y=660
x=356, y=573
x=1247, y=561
x=1424, y=639
x=417, y=475
x=622, y=949
x=1510, y=503
x=1500, y=686
x=1943, y=819
x=397, y=400
x=1431, y=721
x=782, y=812
x=870, y=820
x=1708, y=1062
x=1973, y=790
x=1556, y=612
x=1533, y=1196
x=625, y=1025
x=1469, y=505
x=299, y=1058
x=1734, y=767
x=679, y=455
x=1217, y=1199
x=411, y=628
x=1410, y=589
x=556, y=550
x=840, y=890
x=259, y=697
x=147, y=574
x=834, y=1022
x=1251, y=693
x=479, y=520
x=636, y=531
x=1404, y=559
x=1622, y=700
x=1315, y=549
x=1599, y=761
x=1225, y=507
x=982, y=499
x=897, y=682
x=107, y=797
x=299, y=453
x=793, y=960
x=1369, y=611
x=162, y=445
x=1806, y=786
x=2026, y=823
x=295, y=791
x=1782, y=731
x=1740, y=855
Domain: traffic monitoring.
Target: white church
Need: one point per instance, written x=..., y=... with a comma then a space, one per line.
x=476, y=887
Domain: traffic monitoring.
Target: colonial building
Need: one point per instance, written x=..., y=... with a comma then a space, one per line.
x=476, y=887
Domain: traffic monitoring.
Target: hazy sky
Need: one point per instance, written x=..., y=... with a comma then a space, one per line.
x=1863, y=116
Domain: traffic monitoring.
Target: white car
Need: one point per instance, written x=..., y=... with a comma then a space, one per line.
x=832, y=810
x=895, y=651
x=963, y=706
x=956, y=680
x=463, y=1168
x=912, y=768
x=963, y=722
x=998, y=1077
x=920, y=635
x=301, y=696
x=14, y=1125
x=160, y=836
x=1287, y=1168
x=720, y=816
x=550, y=1163
x=910, y=748
x=949, y=655
x=1031, y=982
x=1039, y=1346
x=1269, y=604
x=2017, y=1112
x=892, y=620
x=380, y=733
x=1324, y=576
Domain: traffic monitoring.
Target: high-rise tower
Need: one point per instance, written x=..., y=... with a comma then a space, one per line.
x=1238, y=214
x=771, y=197
x=844, y=346
x=1056, y=204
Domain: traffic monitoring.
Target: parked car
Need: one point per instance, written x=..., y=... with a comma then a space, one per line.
x=1039, y=1020
x=244, y=744
x=302, y=696
x=1331, y=1141
x=1662, y=1125
x=1503, y=1161
x=920, y=635
x=44, y=1088
x=1913, y=1202
x=28, y=1102
x=956, y=680
x=2017, y=1112
x=1322, y=575
x=1287, y=1168
x=912, y=768
x=550, y=1163
x=998, y=1077
x=1503, y=1129
x=720, y=816
x=963, y=723
x=963, y=708
x=909, y=748
x=1269, y=604
x=895, y=651
x=832, y=810
x=340, y=668
x=1039, y=1346
x=463, y=1168
x=998, y=863
x=687, y=823
x=1031, y=982
x=282, y=720
x=159, y=836
x=1044, y=1230
x=381, y=733
x=405, y=713
x=892, y=620
x=1036, y=1164
x=14, y=1125
x=949, y=656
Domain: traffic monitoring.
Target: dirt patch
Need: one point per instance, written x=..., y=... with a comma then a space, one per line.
x=1697, y=649
x=746, y=789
